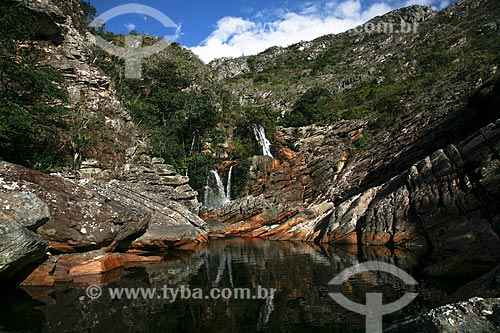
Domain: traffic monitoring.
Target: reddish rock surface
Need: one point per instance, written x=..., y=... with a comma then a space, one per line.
x=87, y=268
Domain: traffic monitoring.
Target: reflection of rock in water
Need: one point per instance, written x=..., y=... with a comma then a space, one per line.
x=300, y=273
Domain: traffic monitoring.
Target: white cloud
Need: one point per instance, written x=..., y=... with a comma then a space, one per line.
x=130, y=26
x=348, y=9
x=234, y=37
x=434, y=4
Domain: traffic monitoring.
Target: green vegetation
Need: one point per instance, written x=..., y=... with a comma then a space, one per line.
x=176, y=119
x=30, y=117
x=173, y=105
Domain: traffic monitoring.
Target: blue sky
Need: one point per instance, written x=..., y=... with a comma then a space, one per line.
x=234, y=28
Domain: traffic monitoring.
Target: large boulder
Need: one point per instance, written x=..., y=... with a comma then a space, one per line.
x=80, y=219
x=174, y=224
x=20, y=211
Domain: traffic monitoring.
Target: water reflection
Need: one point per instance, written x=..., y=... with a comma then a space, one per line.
x=300, y=273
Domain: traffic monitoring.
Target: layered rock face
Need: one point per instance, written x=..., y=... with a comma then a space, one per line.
x=156, y=188
x=111, y=214
x=100, y=117
x=445, y=201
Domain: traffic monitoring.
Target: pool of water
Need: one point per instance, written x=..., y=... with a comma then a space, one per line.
x=299, y=273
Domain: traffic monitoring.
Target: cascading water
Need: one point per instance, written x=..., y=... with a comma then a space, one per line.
x=219, y=186
x=260, y=135
x=215, y=194
x=228, y=185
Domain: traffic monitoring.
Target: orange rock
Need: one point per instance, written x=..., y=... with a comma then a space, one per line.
x=41, y=277
x=86, y=268
x=97, y=265
x=376, y=239
x=349, y=238
x=356, y=134
x=129, y=258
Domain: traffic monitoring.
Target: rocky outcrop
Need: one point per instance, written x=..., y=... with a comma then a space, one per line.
x=323, y=152
x=154, y=176
x=227, y=68
x=249, y=217
x=474, y=315
x=80, y=219
x=91, y=268
x=446, y=201
x=139, y=211
x=157, y=189
x=49, y=19
x=101, y=127
x=308, y=160
x=24, y=208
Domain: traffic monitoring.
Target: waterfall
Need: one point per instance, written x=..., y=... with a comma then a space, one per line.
x=220, y=187
x=228, y=185
x=215, y=194
x=260, y=135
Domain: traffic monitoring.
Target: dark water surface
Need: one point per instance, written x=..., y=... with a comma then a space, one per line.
x=300, y=273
